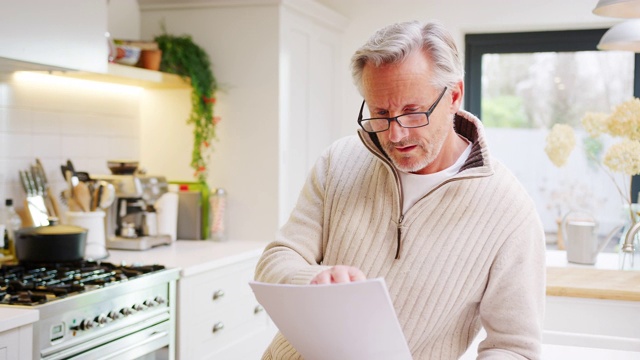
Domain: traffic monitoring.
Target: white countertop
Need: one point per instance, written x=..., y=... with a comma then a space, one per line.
x=11, y=318
x=605, y=260
x=191, y=256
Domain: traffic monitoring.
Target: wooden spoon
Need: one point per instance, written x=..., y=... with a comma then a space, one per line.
x=82, y=195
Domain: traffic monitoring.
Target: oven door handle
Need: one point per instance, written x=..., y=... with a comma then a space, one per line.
x=126, y=350
x=133, y=345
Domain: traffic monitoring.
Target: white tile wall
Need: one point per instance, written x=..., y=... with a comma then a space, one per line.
x=55, y=119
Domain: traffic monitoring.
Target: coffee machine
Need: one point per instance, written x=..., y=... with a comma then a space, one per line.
x=130, y=220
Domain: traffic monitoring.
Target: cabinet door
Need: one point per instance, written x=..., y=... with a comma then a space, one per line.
x=218, y=315
x=594, y=323
x=311, y=89
x=12, y=346
x=66, y=34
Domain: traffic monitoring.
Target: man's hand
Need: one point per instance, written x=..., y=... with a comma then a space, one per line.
x=339, y=274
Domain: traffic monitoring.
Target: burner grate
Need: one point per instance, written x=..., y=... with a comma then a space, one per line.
x=34, y=284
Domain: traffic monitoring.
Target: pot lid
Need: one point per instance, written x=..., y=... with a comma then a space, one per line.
x=52, y=230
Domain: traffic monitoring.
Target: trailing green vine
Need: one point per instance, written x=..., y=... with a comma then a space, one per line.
x=181, y=56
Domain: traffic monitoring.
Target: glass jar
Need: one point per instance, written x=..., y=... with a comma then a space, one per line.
x=629, y=248
x=12, y=223
x=218, y=214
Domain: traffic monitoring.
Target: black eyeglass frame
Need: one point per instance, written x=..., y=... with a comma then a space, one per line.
x=395, y=118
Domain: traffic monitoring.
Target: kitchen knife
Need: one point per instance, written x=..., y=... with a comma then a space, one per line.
x=41, y=187
x=31, y=183
x=24, y=182
x=50, y=199
x=37, y=210
x=37, y=181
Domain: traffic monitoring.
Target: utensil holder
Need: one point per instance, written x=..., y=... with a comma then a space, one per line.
x=94, y=222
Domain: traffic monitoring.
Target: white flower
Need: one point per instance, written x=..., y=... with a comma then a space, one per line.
x=625, y=120
x=560, y=142
x=624, y=157
x=595, y=123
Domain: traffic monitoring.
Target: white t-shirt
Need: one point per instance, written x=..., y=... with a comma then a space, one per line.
x=415, y=186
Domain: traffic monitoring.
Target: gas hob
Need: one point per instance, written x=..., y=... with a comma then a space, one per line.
x=34, y=283
x=94, y=310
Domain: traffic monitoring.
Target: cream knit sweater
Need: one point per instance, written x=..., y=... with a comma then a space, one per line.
x=471, y=254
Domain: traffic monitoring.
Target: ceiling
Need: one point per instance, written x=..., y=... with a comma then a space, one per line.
x=350, y=8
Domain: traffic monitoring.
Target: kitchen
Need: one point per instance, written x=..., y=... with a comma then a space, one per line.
x=92, y=123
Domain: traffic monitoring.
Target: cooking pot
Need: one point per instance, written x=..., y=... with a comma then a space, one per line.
x=122, y=167
x=53, y=243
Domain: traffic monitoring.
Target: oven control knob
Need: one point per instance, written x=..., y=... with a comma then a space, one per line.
x=160, y=300
x=149, y=303
x=126, y=311
x=87, y=324
x=138, y=307
x=114, y=315
x=101, y=319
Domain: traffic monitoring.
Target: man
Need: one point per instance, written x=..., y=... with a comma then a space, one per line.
x=417, y=199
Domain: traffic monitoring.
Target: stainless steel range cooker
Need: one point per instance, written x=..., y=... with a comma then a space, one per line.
x=94, y=310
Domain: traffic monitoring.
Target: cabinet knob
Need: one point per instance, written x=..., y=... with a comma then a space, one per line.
x=218, y=294
x=258, y=309
x=218, y=326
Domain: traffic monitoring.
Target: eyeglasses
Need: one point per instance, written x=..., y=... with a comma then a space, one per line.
x=410, y=120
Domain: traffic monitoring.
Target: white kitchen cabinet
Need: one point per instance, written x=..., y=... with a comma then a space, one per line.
x=45, y=34
x=279, y=69
x=213, y=292
x=16, y=333
x=219, y=318
x=596, y=323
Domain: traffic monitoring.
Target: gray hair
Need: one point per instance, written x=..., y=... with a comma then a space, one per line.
x=392, y=44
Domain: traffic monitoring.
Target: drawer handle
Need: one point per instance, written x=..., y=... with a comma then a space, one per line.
x=218, y=326
x=218, y=294
x=258, y=309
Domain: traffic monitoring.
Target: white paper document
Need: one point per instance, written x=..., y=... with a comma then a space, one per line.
x=354, y=321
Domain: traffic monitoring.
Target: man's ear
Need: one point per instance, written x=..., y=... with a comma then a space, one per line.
x=457, y=94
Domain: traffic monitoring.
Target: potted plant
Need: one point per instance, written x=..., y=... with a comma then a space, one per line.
x=182, y=56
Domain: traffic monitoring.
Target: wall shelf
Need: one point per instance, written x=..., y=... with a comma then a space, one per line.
x=130, y=75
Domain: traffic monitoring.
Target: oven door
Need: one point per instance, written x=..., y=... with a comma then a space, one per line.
x=121, y=345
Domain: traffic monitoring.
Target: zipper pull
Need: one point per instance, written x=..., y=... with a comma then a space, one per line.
x=399, y=245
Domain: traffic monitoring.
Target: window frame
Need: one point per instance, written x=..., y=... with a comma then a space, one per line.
x=476, y=45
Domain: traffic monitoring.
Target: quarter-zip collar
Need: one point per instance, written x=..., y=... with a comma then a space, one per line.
x=477, y=164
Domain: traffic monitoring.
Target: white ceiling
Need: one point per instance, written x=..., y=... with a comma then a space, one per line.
x=350, y=8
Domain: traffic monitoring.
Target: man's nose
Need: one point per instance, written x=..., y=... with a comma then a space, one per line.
x=396, y=132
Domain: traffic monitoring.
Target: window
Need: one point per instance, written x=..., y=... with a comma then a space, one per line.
x=520, y=84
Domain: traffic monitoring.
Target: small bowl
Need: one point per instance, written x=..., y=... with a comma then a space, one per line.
x=127, y=55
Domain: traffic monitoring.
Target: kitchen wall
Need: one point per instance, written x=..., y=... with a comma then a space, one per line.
x=56, y=119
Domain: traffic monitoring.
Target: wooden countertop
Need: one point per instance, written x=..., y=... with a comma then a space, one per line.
x=593, y=283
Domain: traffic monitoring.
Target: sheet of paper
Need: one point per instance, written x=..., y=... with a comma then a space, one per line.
x=354, y=321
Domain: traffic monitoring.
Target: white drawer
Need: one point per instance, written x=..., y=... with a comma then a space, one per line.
x=216, y=291
x=204, y=340
x=218, y=309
